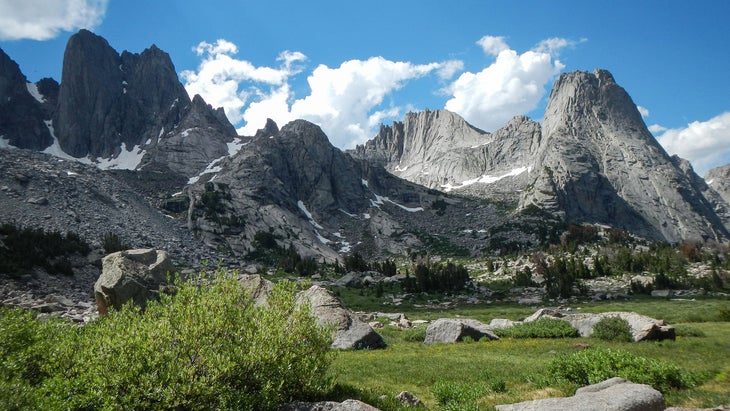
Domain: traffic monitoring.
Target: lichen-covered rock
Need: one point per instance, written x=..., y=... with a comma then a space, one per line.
x=349, y=331
x=132, y=275
x=615, y=394
x=451, y=330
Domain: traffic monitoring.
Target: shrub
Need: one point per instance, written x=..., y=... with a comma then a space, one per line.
x=542, y=328
x=205, y=347
x=457, y=396
x=415, y=334
x=112, y=243
x=595, y=365
x=612, y=329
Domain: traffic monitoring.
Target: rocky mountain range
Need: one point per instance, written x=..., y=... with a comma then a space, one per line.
x=432, y=181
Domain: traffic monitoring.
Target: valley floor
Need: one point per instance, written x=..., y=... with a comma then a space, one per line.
x=513, y=370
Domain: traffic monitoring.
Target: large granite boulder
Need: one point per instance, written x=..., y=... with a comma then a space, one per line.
x=615, y=394
x=643, y=328
x=451, y=330
x=131, y=275
x=259, y=288
x=347, y=405
x=349, y=332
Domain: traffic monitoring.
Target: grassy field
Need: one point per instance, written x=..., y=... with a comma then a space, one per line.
x=513, y=370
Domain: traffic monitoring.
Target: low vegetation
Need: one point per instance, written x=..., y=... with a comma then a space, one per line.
x=22, y=249
x=612, y=329
x=205, y=347
x=542, y=328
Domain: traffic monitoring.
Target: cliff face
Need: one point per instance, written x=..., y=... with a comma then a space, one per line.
x=592, y=161
x=598, y=163
x=23, y=108
x=127, y=111
x=440, y=150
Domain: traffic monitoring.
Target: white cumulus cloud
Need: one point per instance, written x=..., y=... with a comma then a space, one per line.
x=346, y=101
x=43, y=19
x=643, y=111
x=657, y=128
x=224, y=81
x=493, y=44
x=343, y=99
x=512, y=85
x=705, y=144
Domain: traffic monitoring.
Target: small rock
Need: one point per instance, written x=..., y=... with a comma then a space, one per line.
x=408, y=399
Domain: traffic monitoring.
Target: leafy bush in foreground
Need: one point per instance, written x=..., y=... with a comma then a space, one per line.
x=612, y=329
x=595, y=365
x=206, y=347
x=542, y=328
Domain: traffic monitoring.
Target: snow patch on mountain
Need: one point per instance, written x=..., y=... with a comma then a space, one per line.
x=486, y=179
x=33, y=90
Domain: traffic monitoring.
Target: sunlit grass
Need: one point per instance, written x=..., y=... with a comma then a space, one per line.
x=521, y=363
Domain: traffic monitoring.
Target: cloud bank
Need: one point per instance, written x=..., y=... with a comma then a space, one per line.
x=706, y=144
x=43, y=20
x=351, y=100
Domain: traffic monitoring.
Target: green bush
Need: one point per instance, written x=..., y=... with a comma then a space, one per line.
x=205, y=347
x=542, y=328
x=112, y=243
x=415, y=334
x=595, y=365
x=612, y=329
x=457, y=396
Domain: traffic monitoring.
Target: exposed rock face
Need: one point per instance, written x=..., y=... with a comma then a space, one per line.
x=592, y=161
x=21, y=114
x=349, y=331
x=440, y=150
x=132, y=275
x=717, y=191
x=109, y=104
x=451, y=330
x=598, y=163
x=615, y=394
x=305, y=192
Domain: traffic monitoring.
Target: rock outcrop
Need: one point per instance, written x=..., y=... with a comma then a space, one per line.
x=125, y=111
x=592, y=161
x=440, y=150
x=452, y=330
x=615, y=394
x=303, y=191
x=23, y=107
x=132, y=275
x=598, y=163
x=349, y=332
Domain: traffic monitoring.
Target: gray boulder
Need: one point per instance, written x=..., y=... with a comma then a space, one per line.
x=347, y=405
x=131, y=275
x=258, y=287
x=451, y=330
x=643, y=328
x=615, y=394
x=349, y=332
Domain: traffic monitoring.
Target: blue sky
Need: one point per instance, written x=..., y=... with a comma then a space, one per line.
x=350, y=65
